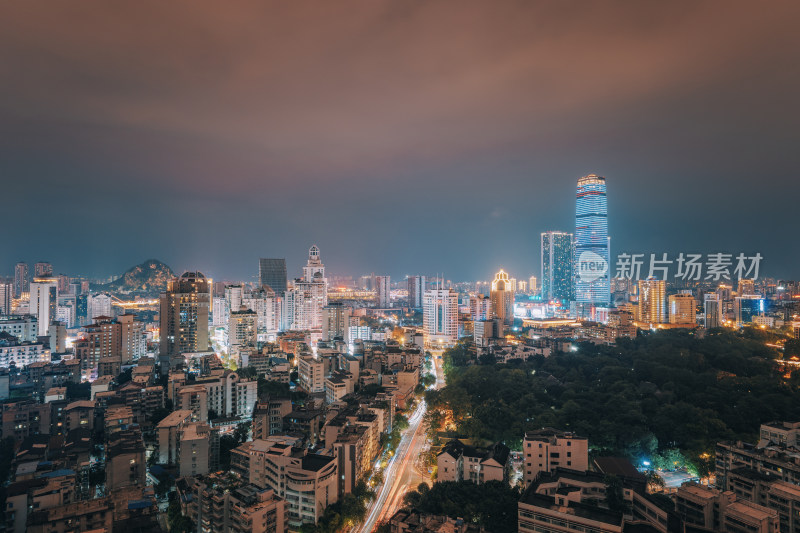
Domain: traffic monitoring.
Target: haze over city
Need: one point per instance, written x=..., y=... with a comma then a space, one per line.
x=394, y=135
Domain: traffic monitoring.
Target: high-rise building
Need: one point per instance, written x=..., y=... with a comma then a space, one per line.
x=558, y=251
x=383, y=290
x=745, y=308
x=123, y=339
x=42, y=270
x=308, y=295
x=44, y=302
x=242, y=329
x=747, y=287
x=713, y=311
x=533, y=285
x=272, y=273
x=22, y=281
x=502, y=296
x=592, y=258
x=233, y=297
x=480, y=307
x=268, y=309
x=682, y=309
x=6, y=295
x=184, y=315
x=440, y=317
x=651, y=301
x=335, y=321
x=98, y=305
x=314, y=268
x=416, y=291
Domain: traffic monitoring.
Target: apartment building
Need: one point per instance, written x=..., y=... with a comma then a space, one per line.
x=311, y=373
x=226, y=503
x=307, y=481
x=548, y=449
x=460, y=462
x=722, y=511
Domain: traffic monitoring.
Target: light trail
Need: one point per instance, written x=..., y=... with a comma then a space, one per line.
x=391, y=492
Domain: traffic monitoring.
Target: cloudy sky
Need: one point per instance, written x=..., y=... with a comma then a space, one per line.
x=402, y=137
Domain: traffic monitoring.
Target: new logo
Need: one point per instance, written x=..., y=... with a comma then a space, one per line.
x=591, y=267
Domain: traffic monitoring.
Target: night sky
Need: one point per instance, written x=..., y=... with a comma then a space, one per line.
x=401, y=137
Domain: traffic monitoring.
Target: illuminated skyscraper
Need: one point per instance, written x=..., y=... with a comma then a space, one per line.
x=558, y=250
x=440, y=318
x=6, y=295
x=747, y=307
x=480, y=307
x=747, y=287
x=502, y=296
x=184, y=315
x=592, y=256
x=44, y=301
x=651, y=301
x=533, y=285
x=22, y=282
x=309, y=295
x=713, y=311
x=682, y=309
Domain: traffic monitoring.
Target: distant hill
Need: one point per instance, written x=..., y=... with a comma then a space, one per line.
x=148, y=278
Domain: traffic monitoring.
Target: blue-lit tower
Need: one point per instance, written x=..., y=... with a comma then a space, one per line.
x=592, y=257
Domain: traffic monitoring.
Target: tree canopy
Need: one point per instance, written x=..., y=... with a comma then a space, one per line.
x=670, y=389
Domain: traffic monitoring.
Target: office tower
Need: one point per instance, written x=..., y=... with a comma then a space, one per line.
x=98, y=305
x=747, y=287
x=383, y=289
x=651, y=301
x=533, y=285
x=682, y=310
x=713, y=311
x=502, y=297
x=440, y=318
x=558, y=251
x=745, y=308
x=592, y=257
x=416, y=291
x=44, y=301
x=184, y=315
x=6, y=295
x=272, y=273
x=42, y=270
x=308, y=295
x=480, y=307
x=335, y=321
x=21, y=279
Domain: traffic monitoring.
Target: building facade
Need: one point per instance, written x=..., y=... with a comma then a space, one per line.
x=592, y=256
x=558, y=251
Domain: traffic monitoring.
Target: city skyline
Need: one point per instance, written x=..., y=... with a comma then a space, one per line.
x=217, y=124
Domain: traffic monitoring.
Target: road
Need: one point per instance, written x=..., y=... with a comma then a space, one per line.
x=404, y=471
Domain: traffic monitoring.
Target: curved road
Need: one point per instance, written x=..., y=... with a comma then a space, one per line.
x=403, y=471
